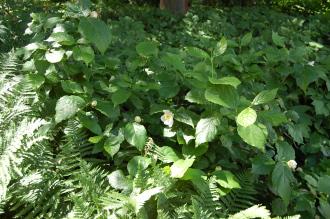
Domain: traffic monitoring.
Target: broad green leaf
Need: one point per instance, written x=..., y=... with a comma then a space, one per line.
x=120, y=96
x=247, y=117
x=168, y=155
x=90, y=122
x=179, y=168
x=83, y=53
x=304, y=77
x=35, y=80
x=196, y=96
x=221, y=47
x=323, y=184
x=321, y=108
x=282, y=177
x=68, y=106
x=174, y=61
x=107, y=108
x=54, y=56
x=61, y=38
x=190, y=150
x=253, y=135
x=278, y=40
x=206, y=130
x=112, y=143
x=136, y=135
x=233, y=81
x=71, y=87
x=95, y=139
x=265, y=97
x=324, y=208
x=226, y=179
x=224, y=95
x=246, y=39
x=147, y=49
x=198, y=53
x=275, y=118
x=193, y=174
x=185, y=117
x=285, y=152
x=95, y=31
x=138, y=163
x=262, y=164
x=118, y=180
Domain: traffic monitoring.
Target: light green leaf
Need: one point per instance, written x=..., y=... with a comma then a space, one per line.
x=247, y=117
x=206, y=130
x=95, y=31
x=112, y=143
x=196, y=96
x=226, y=179
x=90, y=122
x=62, y=38
x=136, y=135
x=179, y=168
x=282, y=177
x=224, y=95
x=118, y=180
x=54, y=56
x=253, y=135
x=184, y=116
x=71, y=87
x=221, y=47
x=120, y=96
x=147, y=49
x=198, y=53
x=168, y=154
x=193, y=174
x=278, y=40
x=138, y=162
x=246, y=39
x=233, y=81
x=265, y=97
x=83, y=53
x=68, y=106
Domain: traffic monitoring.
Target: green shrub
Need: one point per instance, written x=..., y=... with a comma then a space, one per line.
x=153, y=116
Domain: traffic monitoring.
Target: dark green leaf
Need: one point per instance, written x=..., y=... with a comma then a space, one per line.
x=95, y=31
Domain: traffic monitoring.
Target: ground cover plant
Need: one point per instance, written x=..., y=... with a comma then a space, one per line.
x=131, y=112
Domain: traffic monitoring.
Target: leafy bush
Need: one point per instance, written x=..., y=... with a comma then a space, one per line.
x=152, y=116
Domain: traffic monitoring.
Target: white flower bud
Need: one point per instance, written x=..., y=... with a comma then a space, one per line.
x=137, y=119
x=292, y=164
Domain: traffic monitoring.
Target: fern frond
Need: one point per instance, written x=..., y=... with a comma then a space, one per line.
x=256, y=211
x=243, y=198
x=13, y=141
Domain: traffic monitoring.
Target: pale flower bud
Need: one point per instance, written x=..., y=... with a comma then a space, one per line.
x=292, y=164
x=137, y=119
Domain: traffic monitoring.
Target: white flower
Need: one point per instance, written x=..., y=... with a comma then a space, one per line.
x=167, y=118
x=292, y=164
x=311, y=63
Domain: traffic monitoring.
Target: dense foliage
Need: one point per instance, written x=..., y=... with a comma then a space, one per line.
x=131, y=112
